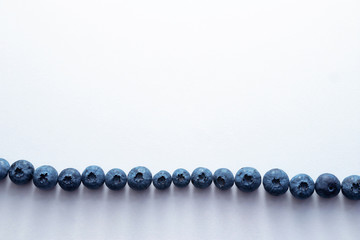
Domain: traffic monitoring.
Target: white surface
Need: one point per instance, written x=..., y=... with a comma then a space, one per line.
x=170, y=84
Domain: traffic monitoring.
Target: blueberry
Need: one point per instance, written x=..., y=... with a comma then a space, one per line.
x=69, y=179
x=181, y=178
x=115, y=179
x=201, y=177
x=139, y=178
x=21, y=172
x=223, y=178
x=4, y=168
x=351, y=187
x=327, y=185
x=302, y=186
x=45, y=177
x=162, y=180
x=248, y=179
x=93, y=177
x=276, y=182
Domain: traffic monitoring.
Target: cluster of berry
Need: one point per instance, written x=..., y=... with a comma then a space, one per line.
x=276, y=182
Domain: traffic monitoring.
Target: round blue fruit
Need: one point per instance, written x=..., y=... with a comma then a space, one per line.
x=223, y=178
x=181, y=178
x=139, y=178
x=201, y=177
x=93, y=177
x=21, y=172
x=302, y=186
x=248, y=179
x=45, y=177
x=351, y=187
x=162, y=180
x=276, y=182
x=69, y=179
x=327, y=185
x=115, y=179
x=4, y=168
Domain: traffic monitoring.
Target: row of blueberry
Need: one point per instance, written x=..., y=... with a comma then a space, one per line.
x=247, y=179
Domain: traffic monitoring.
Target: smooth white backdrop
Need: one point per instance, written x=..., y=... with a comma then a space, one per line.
x=169, y=84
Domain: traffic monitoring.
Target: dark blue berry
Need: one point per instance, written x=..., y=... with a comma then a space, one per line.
x=181, y=178
x=45, y=177
x=302, y=186
x=139, y=178
x=69, y=179
x=351, y=187
x=21, y=172
x=223, y=178
x=276, y=182
x=115, y=179
x=162, y=180
x=327, y=185
x=4, y=168
x=248, y=179
x=93, y=177
x=201, y=177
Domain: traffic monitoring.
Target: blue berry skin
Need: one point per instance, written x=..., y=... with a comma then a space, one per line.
x=162, y=180
x=248, y=179
x=181, y=178
x=93, y=177
x=351, y=187
x=276, y=182
x=45, y=177
x=4, y=168
x=21, y=172
x=223, y=179
x=115, y=179
x=302, y=186
x=69, y=179
x=327, y=185
x=201, y=177
x=139, y=178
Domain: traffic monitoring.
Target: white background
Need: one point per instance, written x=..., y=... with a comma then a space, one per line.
x=169, y=84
